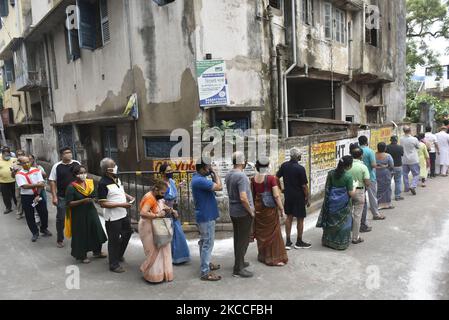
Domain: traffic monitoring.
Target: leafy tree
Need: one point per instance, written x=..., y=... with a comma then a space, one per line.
x=426, y=20
x=441, y=107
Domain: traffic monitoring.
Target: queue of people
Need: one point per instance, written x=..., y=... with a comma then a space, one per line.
x=365, y=179
x=361, y=181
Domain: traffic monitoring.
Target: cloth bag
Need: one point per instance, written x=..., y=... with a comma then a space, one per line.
x=162, y=232
x=267, y=195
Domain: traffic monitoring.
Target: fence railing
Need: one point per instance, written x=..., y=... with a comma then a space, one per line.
x=138, y=183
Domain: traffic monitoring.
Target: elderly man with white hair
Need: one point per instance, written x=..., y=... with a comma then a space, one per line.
x=114, y=200
x=296, y=192
x=241, y=210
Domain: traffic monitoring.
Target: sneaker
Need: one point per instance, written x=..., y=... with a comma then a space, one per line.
x=46, y=233
x=35, y=237
x=60, y=244
x=288, y=245
x=302, y=245
x=8, y=211
x=413, y=191
x=359, y=240
x=243, y=274
x=118, y=270
x=399, y=198
x=364, y=229
x=19, y=217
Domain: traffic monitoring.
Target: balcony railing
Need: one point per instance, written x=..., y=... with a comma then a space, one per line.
x=32, y=80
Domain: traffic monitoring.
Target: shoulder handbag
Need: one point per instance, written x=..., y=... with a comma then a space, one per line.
x=267, y=195
x=162, y=231
x=338, y=197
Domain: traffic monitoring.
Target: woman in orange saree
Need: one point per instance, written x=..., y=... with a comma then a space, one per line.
x=158, y=266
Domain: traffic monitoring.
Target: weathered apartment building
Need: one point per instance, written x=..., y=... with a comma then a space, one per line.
x=289, y=65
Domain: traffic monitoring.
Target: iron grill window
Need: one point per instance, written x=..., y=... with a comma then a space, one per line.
x=158, y=147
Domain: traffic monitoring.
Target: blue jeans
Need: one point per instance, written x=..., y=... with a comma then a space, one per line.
x=414, y=168
x=397, y=173
x=206, y=243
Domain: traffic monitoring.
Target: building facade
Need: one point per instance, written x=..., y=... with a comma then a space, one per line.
x=71, y=66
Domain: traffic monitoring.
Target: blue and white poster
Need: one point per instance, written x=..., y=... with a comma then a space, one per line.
x=212, y=83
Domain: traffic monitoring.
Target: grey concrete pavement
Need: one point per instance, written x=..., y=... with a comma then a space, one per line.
x=405, y=257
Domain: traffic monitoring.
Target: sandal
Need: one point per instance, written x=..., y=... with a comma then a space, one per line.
x=101, y=255
x=214, y=267
x=211, y=277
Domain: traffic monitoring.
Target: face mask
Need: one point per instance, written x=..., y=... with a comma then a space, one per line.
x=7, y=158
x=264, y=170
x=169, y=175
x=114, y=170
x=82, y=177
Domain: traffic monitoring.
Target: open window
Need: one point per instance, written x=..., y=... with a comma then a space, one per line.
x=93, y=23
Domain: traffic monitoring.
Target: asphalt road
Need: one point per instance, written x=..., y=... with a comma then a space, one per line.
x=405, y=257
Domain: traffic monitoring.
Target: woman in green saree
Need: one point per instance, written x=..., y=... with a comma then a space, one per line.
x=87, y=232
x=335, y=217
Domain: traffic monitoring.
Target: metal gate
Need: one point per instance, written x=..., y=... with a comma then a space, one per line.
x=138, y=183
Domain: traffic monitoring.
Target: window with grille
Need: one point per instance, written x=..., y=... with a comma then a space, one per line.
x=158, y=147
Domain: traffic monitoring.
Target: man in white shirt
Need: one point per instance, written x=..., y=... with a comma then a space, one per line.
x=113, y=198
x=410, y=160
x=31, y=183
x=60, y=178
x=431, y=140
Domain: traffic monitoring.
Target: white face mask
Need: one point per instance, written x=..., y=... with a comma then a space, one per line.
x=115, y=170
x=264, y=170
x=82, y=177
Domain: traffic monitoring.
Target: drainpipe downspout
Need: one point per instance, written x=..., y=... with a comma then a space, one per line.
x=350, y=63
x=287, y=72
x=279, y=114
x=131, y=68
x=274, y=73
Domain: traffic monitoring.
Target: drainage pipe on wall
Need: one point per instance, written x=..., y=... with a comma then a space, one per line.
x=285, y=130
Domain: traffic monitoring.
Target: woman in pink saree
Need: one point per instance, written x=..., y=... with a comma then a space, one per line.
x=158, y=266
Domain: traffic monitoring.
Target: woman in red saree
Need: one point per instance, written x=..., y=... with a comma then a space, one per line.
x=267, y=225
x=158, y=266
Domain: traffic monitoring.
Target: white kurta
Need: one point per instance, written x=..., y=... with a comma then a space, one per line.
x=443, y=145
